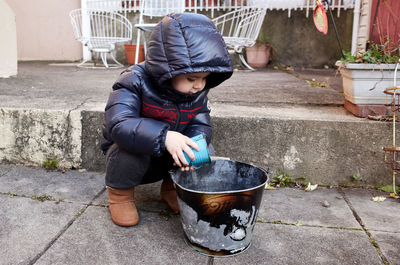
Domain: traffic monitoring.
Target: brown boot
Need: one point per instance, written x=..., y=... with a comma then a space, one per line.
x=122, y=207
x=168, y=194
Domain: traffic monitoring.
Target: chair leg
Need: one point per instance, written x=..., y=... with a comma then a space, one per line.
x=104, y=58
x=137, y=46
x=82, y=63
x=115, y=60
x=144, y=44
x=244, y=62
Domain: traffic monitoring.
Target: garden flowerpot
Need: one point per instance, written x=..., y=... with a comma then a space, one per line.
x=364, y=86
x=130, y=52
x=365, y=83
x=258, y=55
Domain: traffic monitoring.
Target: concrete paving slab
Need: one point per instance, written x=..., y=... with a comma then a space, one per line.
x=272, y=87
x=288, y=205
x=389, y=243
x=39, y=85
x=286, y=244
x=4, y=169
x=378, y=216
x=285, y=112
x=72, y=185
x=292, y=205
x=330, y=76
x=27, y=226
x=94, y=239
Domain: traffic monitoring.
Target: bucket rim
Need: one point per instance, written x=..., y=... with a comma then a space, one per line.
x=266, y=172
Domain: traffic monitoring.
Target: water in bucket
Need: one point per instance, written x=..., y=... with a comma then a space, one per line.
x=218, y=204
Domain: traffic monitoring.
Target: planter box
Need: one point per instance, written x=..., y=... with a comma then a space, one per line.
x=359, y=79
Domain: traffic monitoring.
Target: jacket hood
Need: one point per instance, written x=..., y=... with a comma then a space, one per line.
x=187, y=43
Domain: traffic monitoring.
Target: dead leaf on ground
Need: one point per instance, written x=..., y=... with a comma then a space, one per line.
x=311, y=187
x=269, y=187
x=378, y=198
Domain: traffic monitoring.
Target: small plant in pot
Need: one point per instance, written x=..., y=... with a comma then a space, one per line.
x=258, y=55
x=367, y=73
x=365, y=77
x=385, y=53
x=130, y=53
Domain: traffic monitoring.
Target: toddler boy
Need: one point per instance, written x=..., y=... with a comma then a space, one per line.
x=157, y=106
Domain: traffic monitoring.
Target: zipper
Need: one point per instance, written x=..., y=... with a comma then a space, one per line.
x=177, y=118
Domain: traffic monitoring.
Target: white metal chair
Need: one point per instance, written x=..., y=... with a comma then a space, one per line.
x=240, y=29
x=100, y=31
x=154, y=8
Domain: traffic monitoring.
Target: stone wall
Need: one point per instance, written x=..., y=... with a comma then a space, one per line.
x=297, y=42
x=295, y=39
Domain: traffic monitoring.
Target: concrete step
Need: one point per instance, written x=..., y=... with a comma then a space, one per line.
x=268, y=118
x=324, y=145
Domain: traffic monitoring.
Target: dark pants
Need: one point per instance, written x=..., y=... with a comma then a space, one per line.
x=126, y=170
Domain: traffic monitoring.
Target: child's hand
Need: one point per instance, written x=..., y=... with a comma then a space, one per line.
x=177, y=143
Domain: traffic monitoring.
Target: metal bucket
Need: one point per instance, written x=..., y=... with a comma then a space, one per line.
x=218, y=204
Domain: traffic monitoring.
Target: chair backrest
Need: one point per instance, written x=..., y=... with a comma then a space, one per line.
x=243, y=24
x=250, y=24
x=100, y=29
x=160, y=8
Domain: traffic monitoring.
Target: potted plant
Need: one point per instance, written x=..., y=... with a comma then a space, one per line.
x=367, y=74
x=130, y=53
x=258, y=55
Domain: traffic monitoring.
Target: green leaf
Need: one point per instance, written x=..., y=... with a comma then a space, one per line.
x=50, y=164
x=388, y=188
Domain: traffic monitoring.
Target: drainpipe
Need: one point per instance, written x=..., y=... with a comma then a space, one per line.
x=356, y=24
x=86, y=54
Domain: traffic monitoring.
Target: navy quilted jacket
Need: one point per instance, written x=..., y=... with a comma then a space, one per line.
x=143, y=106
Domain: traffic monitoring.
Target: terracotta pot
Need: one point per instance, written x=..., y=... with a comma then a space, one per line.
x=130, y=52
x=258, y=55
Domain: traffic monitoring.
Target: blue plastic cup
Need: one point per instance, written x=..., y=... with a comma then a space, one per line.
x=201, y=156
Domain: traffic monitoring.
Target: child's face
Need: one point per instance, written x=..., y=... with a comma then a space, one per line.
x=190, y=83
